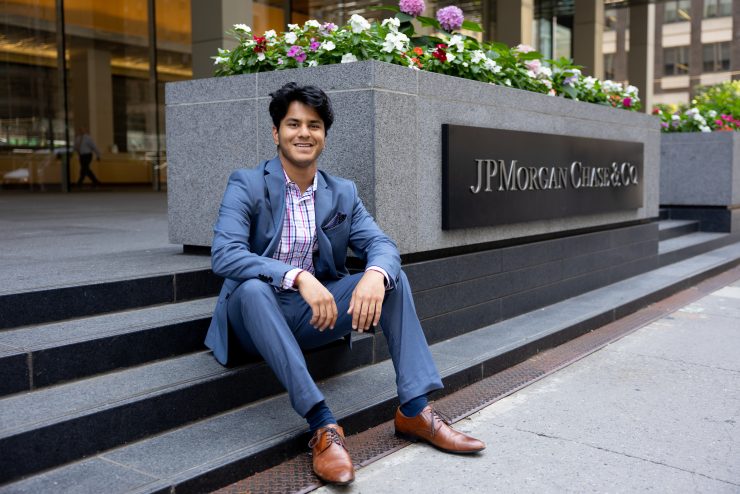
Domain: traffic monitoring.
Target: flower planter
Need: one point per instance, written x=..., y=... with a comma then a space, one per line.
x=700, y=178
x=387, y=137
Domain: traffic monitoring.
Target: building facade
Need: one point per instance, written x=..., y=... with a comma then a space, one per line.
x=69, y=65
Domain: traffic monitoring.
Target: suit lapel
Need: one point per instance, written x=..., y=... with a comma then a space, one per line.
x=275, y=182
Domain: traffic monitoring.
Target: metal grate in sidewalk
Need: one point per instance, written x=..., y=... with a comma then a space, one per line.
x=296, y=476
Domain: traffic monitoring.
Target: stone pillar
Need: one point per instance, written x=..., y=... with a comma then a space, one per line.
x=620, y=57
x=696, y=52
x=210, y=20
x=514, y=19
x=641, y=64
x=735, y=50
x=658, y=84
x=92, y=94
x=588, y=36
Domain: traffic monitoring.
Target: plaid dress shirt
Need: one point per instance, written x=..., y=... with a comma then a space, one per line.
x=298, y=240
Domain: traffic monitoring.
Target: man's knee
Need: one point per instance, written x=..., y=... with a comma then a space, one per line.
x=253, y=292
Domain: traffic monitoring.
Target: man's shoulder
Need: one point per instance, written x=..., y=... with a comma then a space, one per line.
x=337, y=182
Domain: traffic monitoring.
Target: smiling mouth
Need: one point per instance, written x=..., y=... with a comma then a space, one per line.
x=303, y=145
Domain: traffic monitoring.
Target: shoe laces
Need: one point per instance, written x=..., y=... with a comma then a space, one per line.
x=334, y=437
x=441, y=417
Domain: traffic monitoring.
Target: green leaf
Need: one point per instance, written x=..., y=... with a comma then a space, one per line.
x=428, y=21
x=392, y=8
x=532, y=55
x=404, y=17
x=570, y=91
x=472, y=26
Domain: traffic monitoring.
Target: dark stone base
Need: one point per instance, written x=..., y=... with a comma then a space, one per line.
x=720, y=219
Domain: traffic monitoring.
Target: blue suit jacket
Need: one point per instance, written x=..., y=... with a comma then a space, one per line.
x=250, y=223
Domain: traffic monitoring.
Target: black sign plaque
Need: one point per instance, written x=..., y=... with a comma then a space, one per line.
x=493, y=177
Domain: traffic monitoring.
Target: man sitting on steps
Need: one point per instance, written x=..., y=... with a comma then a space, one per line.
x=280, y=242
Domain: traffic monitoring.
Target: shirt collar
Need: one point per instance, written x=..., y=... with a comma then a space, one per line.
x=311, y=188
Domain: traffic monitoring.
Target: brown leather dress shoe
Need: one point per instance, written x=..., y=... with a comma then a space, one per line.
x=431, y=427
x=331, y=461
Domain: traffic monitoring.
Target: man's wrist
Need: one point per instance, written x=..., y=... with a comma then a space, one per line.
x=386, y=278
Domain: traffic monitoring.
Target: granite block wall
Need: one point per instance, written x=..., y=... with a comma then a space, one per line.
x=386, y=137
x=700, y=169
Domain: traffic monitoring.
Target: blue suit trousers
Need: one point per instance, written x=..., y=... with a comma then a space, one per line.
x=275, y=324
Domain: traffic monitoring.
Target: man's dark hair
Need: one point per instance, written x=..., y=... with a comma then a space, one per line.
x=308, y=95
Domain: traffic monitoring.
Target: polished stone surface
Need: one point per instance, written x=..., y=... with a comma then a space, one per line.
x=386, y=139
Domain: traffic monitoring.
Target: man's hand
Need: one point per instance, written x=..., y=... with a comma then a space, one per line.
x=367, y=301
x=319, y=299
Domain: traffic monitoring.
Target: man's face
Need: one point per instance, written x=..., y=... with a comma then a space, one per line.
x=301, y=136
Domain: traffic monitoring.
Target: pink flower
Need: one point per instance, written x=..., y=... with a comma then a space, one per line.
x=297, y=52
x=627, y=102
x=314, y=45
x=533, y=65
x=726, y=118
x=718, y=122
x=521, y=48
x=411, y=7
x=450, y=18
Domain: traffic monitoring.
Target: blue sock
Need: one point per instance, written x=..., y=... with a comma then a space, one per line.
x=414, y=406
x=319, y=416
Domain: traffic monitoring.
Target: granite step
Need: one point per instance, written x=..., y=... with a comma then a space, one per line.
x=675, y=228
x=38, y=356
x=689, y=245
x=57, y=303
x=48, y=427
x=218, y=450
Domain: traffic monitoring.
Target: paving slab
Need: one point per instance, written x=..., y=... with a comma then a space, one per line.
x=658, y=410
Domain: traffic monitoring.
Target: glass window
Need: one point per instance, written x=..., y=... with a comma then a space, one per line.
x=609, y=66
x=32, y=138
x=716, y=57
x=610, y=19
x=678, y=10
x=717, y=8
x=676, y=60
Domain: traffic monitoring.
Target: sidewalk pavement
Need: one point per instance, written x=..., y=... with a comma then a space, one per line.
x=658, y=410
x=57, y=239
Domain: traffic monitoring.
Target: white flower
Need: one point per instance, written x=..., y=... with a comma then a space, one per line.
x=589, y=82
x=348, y=58
x=450, y=57
x=547, y=83
x=631, y=91
x=507, y=82
x=242, y=61
x=493, y=67
x=712, y=113
x=478, y=56
x=457, y=42
x=260, y=56
x=311, y=23
x=358, y=23
x=248, y=43
x=220, y=60
x=393, y=24
x=611, y=86
x=270, y=35
x=242, y=28
x=545, y=72
x=395, y=41
x=293, y=27
x=522, y=48
x=704, y=128
x=465, y=64
x=312, y=63
x=328, y=45
x=675, y=117
x=290, y=38
x=552, y=92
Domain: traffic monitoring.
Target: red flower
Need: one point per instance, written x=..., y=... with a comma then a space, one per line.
x=656, y=111
x=418, y=50
x=261, y=44
x=439, y=53
x=627, y=102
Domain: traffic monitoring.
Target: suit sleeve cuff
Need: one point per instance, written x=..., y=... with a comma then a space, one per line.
x=289, y=278
x=382, y=271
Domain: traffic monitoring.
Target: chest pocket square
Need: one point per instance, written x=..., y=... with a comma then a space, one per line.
x=335, y=221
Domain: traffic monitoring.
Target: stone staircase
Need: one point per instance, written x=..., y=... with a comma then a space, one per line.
x=108, y=388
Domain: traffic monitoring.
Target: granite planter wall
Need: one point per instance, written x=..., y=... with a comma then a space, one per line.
x=386, y=137
x=700, y=178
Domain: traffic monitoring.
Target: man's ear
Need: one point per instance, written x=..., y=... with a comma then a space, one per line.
x=275, y=135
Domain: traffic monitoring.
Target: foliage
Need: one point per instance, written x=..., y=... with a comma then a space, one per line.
x=394, y=40
x=715, y=108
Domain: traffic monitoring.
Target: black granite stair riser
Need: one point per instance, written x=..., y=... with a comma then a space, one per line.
x=14, y=371
x=677, y=255
x=109, y=425
x=56, y=304
x=681, y=229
